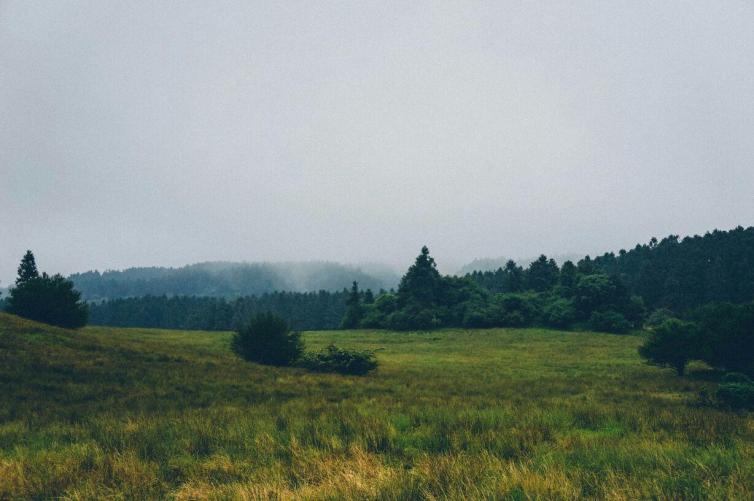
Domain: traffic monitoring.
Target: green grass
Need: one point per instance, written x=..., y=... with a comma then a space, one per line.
x=455, y=414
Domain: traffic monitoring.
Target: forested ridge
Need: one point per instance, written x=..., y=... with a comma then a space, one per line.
x=610, y=292
x=229, y=280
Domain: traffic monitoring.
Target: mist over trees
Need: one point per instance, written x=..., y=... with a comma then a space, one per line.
x=610, y=293
x=230, y=280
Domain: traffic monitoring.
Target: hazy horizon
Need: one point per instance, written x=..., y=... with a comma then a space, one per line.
x=149, y=134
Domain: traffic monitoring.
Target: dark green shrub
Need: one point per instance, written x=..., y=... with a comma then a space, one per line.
x=609, y=321
x=737, y=377
x=341, y=361
x=736, y=395
x=673, y=343
x=267, y=340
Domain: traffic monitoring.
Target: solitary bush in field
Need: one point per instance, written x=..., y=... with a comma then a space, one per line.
x=736, y=391
x=266, y=339
x=334, y=359
x=673, y=343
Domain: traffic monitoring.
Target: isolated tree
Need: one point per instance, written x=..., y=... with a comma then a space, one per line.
x=673, y=343
x=44, y=298
x=266, y=339
x=354, y=309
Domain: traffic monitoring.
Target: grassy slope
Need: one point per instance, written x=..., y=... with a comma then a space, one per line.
x=452, y=414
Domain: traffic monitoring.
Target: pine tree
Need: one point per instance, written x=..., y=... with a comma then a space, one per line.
x=27, y=270
x=354, y=310
x=48, y=299
x=422, y=283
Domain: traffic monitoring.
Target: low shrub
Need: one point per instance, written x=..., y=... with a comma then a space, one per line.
x=339, y=360
x=737, y=377
x=738, y=395
x=267, y=340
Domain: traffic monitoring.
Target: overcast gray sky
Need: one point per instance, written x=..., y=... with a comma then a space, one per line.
x=164, y=133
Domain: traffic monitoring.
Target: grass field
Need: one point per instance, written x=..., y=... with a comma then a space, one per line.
x=456, y=414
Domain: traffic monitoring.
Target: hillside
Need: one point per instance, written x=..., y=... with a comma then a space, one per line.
x=458, y=414
x=228, y=279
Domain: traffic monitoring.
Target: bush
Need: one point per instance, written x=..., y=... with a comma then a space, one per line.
x=737, y=377
x=267, y=340
x=736, y=395
x=671, y=344
x=334, y=359
x=609, y=321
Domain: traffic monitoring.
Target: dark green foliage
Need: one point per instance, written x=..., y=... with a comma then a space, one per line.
x=542, y=274
x=339, y=360
x=727, y=336
x=44, y=298
x=736, y=392
x=559, y=313
x=428, y=300
x=229, y=280
x=422, y=285
x=27, y=270
x=673, y=343
x=657, y=317
x=267, y=340
x=302, y=310
x=609, y=321
x=736, y=377
x=354, y=309
x=682, y=274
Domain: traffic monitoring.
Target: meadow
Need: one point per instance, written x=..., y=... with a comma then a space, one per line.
x=452, y=414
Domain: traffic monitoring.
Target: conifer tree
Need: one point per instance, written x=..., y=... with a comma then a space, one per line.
x=354, y=309
x=27, y=270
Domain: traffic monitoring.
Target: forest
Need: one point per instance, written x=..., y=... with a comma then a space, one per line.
x=230, y=280
x=611, y=292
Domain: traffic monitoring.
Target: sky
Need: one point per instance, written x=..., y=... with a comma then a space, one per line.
x=165, y=133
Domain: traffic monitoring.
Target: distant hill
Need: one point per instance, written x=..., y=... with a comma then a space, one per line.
x=228, y=279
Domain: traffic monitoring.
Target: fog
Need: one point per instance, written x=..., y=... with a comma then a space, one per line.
x=165, y=133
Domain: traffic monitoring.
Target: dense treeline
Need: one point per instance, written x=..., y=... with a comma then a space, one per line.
x=610, y=293
x=228, y=280
x=302, y=310
x=677, y=274
x=684, y=274
x=543, y=294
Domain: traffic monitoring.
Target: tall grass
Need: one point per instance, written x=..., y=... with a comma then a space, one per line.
x=482, y=414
